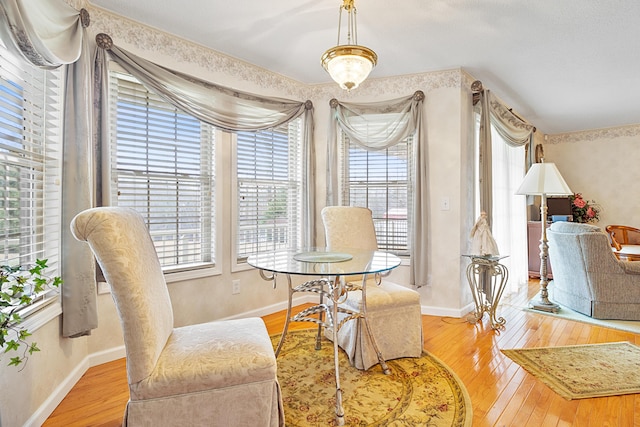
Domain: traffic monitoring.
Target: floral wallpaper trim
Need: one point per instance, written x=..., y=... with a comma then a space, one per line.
x=595, y=134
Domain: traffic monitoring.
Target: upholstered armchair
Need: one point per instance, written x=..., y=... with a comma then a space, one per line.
x=587, y=277
x=221, y=373
x=393, y=310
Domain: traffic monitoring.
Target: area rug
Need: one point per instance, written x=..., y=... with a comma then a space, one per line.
x=418, y=392
x=583, y=371
x=568, y=314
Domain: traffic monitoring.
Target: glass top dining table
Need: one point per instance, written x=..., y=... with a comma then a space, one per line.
x=328, y=268
x=320, y=261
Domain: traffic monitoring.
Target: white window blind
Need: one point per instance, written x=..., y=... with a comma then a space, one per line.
x=381, y=181
x=269, y=183
x=163, y=166
x=30, y=147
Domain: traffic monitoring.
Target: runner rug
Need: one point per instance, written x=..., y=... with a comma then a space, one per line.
x=583, y=371
x=418, y=392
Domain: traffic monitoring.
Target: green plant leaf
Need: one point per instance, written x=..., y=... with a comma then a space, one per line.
x=15, y=361
x=33, y=348
x=11, y=345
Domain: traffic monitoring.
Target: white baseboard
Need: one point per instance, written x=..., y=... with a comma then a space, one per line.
x=447, y=312
x=273, y=308
x=51, y=403
x=105, y=356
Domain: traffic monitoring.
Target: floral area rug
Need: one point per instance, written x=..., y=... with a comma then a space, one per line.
x=418, y=392
x=582, y=371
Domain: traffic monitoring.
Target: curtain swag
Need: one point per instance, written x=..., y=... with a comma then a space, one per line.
x=49, y=36
x=403, y=117
x=225, y=108
x=515, y=131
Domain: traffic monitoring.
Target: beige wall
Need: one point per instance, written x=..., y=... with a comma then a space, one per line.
x=603, y=165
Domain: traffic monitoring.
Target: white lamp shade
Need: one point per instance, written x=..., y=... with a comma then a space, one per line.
x=544, y=179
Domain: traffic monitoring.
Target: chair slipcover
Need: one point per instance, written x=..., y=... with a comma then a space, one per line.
x=587, y=277
x=219, y=373
x=393, y=310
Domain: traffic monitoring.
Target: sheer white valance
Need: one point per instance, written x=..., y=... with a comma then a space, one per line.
x=225, y=108
x=402, y=117
x=49, y=35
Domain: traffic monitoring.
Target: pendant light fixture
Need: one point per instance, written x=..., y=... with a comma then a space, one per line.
x=349, y=64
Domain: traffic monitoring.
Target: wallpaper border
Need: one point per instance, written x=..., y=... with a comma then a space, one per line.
x=630, y=131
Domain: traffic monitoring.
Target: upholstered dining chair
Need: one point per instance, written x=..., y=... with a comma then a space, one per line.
x=221, y=373
x=393, y=311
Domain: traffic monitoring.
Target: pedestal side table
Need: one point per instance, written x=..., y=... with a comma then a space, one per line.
x=487, y=280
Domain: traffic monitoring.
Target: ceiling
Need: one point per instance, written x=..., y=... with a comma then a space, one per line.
x=564, y=65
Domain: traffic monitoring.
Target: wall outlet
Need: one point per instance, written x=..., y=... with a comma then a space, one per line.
x=444, y=204
x=235, y=289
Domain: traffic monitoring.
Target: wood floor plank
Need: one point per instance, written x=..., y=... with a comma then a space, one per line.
x=502, y=393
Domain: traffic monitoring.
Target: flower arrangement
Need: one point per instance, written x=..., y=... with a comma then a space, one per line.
x=18, y=288
x=584, y=210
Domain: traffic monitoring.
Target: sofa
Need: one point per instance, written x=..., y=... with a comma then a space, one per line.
x=587, y=276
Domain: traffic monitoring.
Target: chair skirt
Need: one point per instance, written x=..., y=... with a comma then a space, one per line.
x=394, y=316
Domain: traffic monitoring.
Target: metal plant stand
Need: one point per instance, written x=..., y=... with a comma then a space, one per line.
x=487, y=280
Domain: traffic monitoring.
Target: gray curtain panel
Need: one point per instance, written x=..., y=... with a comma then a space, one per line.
x=49, y=36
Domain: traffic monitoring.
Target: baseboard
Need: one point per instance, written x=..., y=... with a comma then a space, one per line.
x=105, y=356
x=273, y=308
x=51, y=403
x=447, y=312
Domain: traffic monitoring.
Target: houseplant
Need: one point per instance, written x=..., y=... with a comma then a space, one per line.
x=19, y=286
x=583, y=210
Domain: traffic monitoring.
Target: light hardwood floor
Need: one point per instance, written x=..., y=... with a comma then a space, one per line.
x=502, y=393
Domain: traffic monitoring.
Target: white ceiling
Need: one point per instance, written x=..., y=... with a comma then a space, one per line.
x=565, y=65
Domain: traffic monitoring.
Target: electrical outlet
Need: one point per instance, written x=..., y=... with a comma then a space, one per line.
x=235, y=290
x=444, y=204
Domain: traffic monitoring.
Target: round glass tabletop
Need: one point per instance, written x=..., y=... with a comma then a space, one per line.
x=324, y=262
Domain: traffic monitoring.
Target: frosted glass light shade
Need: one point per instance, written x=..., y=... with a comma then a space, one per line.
x=544, y=179
x=349, y=65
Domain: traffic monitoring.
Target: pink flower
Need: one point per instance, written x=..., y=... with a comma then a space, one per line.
x=590, y=212
x=579, y=201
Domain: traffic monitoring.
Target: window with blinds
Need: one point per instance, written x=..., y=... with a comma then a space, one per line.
x=30, y=172
x=381, y=181
x=163, y=166
x=269, y=185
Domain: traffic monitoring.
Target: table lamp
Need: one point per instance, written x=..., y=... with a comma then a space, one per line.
x=544, y=179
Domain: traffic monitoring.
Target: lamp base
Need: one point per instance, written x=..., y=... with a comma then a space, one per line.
x=547, y=306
